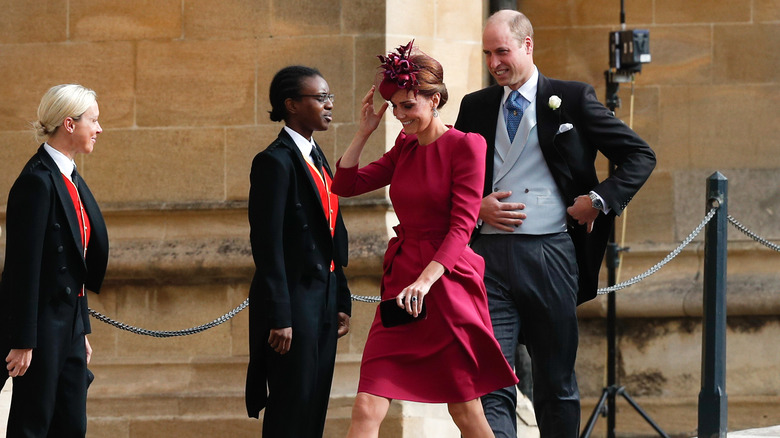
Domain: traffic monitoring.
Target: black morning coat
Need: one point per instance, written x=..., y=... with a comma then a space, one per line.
x=292, y=249
x=45, y=266
x=571, y=156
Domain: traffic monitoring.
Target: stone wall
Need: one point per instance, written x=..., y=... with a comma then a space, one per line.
x=182, y=87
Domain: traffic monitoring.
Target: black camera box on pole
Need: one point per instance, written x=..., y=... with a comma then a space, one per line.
x=629, y=49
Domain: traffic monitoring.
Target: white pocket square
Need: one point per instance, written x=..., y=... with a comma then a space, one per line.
x=565, y=127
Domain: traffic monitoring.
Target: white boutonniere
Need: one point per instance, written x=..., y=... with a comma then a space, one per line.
x=554, y=103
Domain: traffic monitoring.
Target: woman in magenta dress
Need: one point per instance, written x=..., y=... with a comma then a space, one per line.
x=436, y=175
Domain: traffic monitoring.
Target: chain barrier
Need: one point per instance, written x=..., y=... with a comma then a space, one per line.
x=375, y=299
x=169, y=333
x=366, y=298
x=666, y=259
x=753, y=235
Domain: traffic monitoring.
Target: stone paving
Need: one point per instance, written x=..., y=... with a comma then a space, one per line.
x=773, y=431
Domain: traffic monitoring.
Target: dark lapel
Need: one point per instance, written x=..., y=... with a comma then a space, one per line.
x=546, y=119
x=300, y=162
x=64, y=197
x=547, y=123
x=98, y=234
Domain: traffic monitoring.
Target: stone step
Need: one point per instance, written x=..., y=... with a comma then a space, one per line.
x=139, y=377
x=195, y=427
x=195, y=415
x=154, y=427
x=192, y=397
x=188, y=415
x=201, y=415
x=226, y=404
x=130, y=377
x=167, y=405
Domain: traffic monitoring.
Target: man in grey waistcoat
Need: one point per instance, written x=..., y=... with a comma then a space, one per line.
x=545, y=218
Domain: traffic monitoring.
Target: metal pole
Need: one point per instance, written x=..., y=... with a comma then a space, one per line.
x=713, y=401
x=612, y=265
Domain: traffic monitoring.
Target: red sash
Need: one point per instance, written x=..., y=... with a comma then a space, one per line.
x=83, y=219
x=330, y=201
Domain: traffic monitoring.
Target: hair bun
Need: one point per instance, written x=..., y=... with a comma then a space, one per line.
x=41, y=132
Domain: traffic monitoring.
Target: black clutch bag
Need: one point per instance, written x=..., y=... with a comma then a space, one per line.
x=392, y=315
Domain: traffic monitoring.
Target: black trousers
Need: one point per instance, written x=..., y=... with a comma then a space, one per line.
x=50, y=400
x=532, y=295
x=299, y=382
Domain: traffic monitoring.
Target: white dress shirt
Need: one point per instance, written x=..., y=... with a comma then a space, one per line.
x=303, y=144
x=65, y=164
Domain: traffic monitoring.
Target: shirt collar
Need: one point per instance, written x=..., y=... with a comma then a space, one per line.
x=303, y=144
x=527, y=90
x=65, y=164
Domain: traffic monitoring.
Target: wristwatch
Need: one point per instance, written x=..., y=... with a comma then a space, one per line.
x=595, y=201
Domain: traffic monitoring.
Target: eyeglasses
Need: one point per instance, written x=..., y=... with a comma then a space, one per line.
x=321, y=98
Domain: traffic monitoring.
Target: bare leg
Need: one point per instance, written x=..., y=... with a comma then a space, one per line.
x=367, y=415
x=470, y=419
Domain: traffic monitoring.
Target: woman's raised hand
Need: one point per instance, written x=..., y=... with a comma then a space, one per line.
x=369, y=118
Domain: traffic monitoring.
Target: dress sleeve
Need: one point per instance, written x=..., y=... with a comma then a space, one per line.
x=468, y=176
x=353, y=181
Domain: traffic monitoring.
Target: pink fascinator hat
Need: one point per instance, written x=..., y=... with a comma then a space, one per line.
x=398, y=72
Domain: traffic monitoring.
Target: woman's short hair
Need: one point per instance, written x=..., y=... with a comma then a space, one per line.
x=59, y=103
x=287, y=84
x=430, y=76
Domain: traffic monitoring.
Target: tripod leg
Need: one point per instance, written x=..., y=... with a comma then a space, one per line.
x=594, y=415
x=642, y=413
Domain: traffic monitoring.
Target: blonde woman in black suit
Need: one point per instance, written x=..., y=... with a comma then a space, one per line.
x=56, y=248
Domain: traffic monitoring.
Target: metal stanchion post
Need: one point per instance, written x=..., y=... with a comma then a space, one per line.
x=713, y=406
